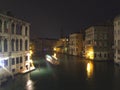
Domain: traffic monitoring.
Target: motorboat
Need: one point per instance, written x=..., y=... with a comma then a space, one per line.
x=52, y=59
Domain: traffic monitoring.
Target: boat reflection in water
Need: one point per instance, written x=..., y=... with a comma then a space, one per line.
x=52, y=59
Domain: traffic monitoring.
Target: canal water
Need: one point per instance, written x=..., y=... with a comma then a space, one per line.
x=72, y=73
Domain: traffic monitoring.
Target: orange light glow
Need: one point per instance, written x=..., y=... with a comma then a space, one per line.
x=90, y=53
x=89, y=69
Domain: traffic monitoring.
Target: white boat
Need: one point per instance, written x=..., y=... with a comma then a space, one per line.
x=52, y=59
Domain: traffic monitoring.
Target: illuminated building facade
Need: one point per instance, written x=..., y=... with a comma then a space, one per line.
x=61, y=45
x=14, y=46
x=117, y=39
x=76, y=44
x=98, y=42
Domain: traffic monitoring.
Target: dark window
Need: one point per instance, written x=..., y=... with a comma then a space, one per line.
x=17, y=60
x=21, y=60
x=13, y=70
x=95, y=54
x=118, y=51
x=20, y=29
x=26, y=44
x=26, y=30
x=20, y=44
x=5, y=45
x=17, y=45
x=108, y=55
x=12, y=43
x=17, y=29
x=12, y=28
x=105, y=55
x=100, y=55
x=6, y=27
x=13, y=61
x=26, y=58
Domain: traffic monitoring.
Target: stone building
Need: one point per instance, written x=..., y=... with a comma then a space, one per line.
x=14, y=46
x=62, y=45
x=98, y=42
x=76, y=44
x=117, y=40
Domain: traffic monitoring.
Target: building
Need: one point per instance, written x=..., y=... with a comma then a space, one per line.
x=117, y=40
x=98, y=42
x=76, y=44
x=42, y=45
x=61, y=45
x=14, y=47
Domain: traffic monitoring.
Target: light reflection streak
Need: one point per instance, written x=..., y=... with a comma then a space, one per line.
x=89, y=69
x=29, y=84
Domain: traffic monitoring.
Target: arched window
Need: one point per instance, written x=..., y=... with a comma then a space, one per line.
x=12, y=28
x=18, y=29
x=5, y=27
x=13, y=61
x=17, y=45
x=26, y=44
x=0, y=25
x=12, y=46
x=26, y=31
x=5, y=45
x=17, y=60
x=20, y=44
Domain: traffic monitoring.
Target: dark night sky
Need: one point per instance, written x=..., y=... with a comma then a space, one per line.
x=49, y=17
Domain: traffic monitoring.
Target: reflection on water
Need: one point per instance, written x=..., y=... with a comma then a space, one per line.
x=29, y=83
x=89, y=69
x=72, y=73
